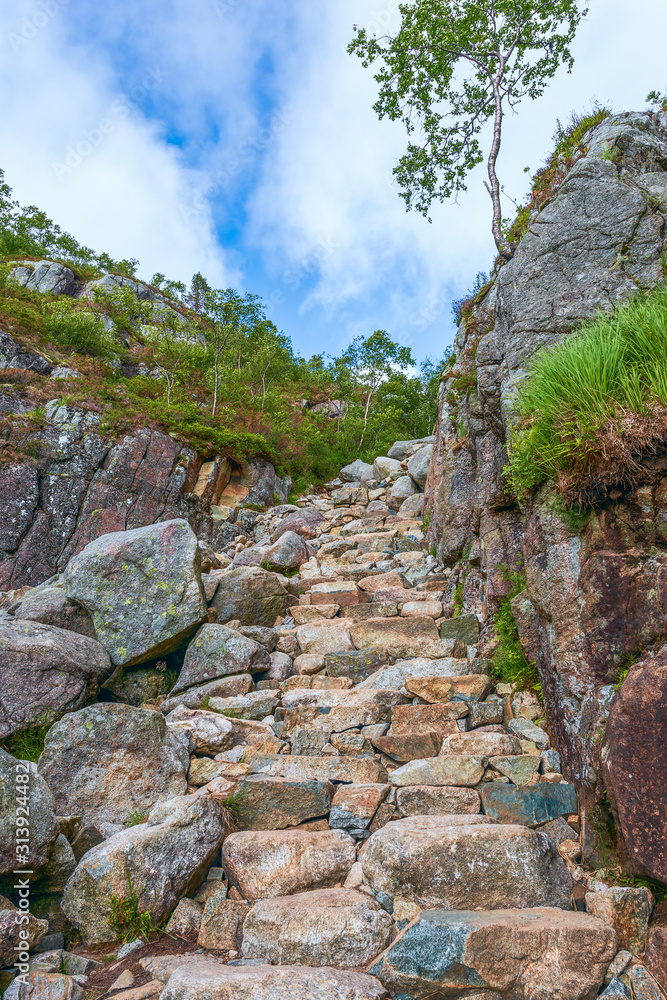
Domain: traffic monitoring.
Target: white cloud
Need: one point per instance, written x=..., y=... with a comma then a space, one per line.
x=80, y=148
x=278, y=146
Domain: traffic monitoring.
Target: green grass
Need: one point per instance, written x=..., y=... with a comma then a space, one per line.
x=28, y=744
x=233, y=801
x=126, y=919
x=135, y=817
x=508, y=664
x=595, y=404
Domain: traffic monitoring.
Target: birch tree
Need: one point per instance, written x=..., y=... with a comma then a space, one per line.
x=452, y=67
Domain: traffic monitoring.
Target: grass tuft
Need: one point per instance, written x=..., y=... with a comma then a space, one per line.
x=28, y=744
x=508, y=664
x=595, y=405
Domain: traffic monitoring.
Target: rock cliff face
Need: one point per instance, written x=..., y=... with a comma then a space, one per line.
x=82, y=484
x=595, y=598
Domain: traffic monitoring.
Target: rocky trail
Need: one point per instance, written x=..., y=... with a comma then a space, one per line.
x=291, y=757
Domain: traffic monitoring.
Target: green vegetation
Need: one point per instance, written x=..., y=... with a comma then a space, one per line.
x=595, y=404
x=27, y=744
x=568, y=140
x=125, y=918
x=206, y=366
x=451, y=69
x=233, y=801
x=135, y=817
x=509, y=664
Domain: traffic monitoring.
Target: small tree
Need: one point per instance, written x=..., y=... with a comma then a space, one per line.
x=371, y=361
x=452, y=66
x=227, y=315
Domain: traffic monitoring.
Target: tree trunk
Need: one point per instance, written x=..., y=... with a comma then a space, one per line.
x=493, y=187
x=215, y=386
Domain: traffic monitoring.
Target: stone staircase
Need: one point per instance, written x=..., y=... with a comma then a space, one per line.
x=401, y=827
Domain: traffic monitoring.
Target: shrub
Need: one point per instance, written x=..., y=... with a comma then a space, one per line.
x=27, y=744
x=80, y=329
x=480, y=284
x=508, y=663
x=568, y=145
x=125, y=918
x=595, y=404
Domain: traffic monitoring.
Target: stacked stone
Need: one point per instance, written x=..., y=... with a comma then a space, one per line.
x=334, y=798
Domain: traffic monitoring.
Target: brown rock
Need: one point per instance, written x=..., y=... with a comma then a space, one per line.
x=655, y=956
x=337, y=592
x=451, y=862
x=439, y=718
x=335, y=927
x=371, y=584
x=363, y=770
x=450, y=770
x=354, y=806
x=408, y=746
x=281, y=862
x=400, y=637
x=314, y=613
x=482, y=744
x=222, y=923
x=633, y=753
x=531, y=954
x=625, y=909
x=186, y=919
x=430, y=800
x=434, y=689
x=325, y=637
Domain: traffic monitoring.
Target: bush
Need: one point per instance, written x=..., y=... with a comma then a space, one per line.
x=508, y=663
x=80, y=329
x=595, y=404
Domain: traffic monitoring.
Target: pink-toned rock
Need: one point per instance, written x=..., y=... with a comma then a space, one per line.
x=439, y=718
x=436, y=689
x=484, y=744
x=325, y=637
x=430, y=800
x=337, y=592
x=316, y=612
x=371, y=584
x=309, y=663
x=418, y=609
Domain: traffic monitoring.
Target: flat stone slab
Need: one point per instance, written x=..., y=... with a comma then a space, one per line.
x=452, y=862
x=408, y=746
x=470, y=687
x=337, y=927
x=273, y=803
x=439, y=718
x=401, y=637
x=465, y=628
x=530, y=805
x=281, y=862
x=268, y=982
x=537, y=954
x=427, y=800
x=357, y=665
x=358, y=770
x=450, y=770
x=395, y=675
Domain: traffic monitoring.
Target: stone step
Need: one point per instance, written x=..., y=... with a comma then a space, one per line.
x=459, y=862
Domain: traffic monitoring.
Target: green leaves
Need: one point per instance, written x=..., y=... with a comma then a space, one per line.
x=452, y=66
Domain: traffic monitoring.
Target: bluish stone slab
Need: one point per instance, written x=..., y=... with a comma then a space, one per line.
x=529, y=805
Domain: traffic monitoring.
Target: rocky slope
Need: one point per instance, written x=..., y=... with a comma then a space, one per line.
x=324, y=794
x=594, y=601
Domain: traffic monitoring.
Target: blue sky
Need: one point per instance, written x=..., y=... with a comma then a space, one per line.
x=237, y=137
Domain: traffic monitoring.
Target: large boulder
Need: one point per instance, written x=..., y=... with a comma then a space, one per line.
x=356, y=472
x=281, y=862
x=212, y=980
x=287, y=553
x=20, y=785
x=418, y=465
x=404, y=449
x=535, y=954
x=44, y=672
x=304, y=522
x=633, y=753
x=45, y=276
x=142, y=588
x=249, y=595
x=18, y=933
x=159, y=861
x=217, y=651
x=453, y=862
x=49, y=605
x=387, y=468
x=400, y=491
x=335, y=927
x=210, y=733
x=108, y=761
x=275, y=803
